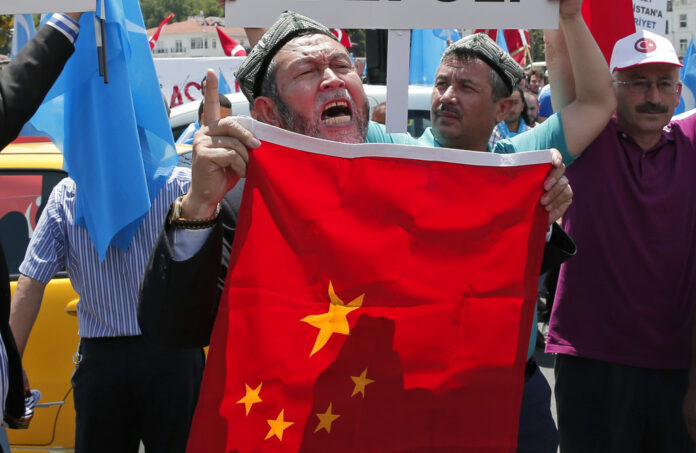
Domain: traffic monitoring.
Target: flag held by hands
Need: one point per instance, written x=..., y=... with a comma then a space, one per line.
x=115, y=137
x=379, y=300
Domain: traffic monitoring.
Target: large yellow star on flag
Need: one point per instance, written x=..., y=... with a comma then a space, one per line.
x=360, y=383
x=334, y=321
x=326, y=419
x=251, y=397
x=278, y=426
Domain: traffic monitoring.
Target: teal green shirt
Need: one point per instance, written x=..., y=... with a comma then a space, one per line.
x=376, y=133
x=548, y=134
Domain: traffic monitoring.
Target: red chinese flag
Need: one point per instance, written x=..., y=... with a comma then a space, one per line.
x=609, y=21
x=380, y=299
x=231, y=47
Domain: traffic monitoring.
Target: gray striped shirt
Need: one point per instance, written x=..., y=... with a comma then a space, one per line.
x=108, y=290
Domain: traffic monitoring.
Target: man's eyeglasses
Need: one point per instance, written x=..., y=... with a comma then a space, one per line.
x=642, y=86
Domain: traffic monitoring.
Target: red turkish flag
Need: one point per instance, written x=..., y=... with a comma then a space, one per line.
x=609, y=22
x=231, y=47
x=342, y=37
x=517, y=41
x=153, y=39
x=379, y=299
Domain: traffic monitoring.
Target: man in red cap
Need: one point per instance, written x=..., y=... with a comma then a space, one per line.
x=622, y=321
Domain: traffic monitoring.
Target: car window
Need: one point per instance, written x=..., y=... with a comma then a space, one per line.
x=23, y=195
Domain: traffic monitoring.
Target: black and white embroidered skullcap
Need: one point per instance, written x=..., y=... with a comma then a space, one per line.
x=491, y=53
x=253, y=69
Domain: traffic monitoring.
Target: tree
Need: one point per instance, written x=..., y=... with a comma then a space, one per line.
x=357, y=38
x=538, y=46
x=6, y=24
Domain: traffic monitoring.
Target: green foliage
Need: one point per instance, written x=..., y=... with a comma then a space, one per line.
x=154, y=11
x=538, y=46
x=357, y=38
x=6, y=24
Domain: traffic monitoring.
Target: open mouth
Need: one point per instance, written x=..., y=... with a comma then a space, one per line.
x=336, y=112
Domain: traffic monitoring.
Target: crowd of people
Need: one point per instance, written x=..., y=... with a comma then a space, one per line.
x=622, y=323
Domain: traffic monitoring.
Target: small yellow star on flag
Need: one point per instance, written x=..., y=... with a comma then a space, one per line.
x=326, y=419
x=251, y=397
x=334, y=321
x=278, y=426
x=360, y=383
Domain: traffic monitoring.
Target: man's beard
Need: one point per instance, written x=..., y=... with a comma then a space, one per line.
x=295, y=122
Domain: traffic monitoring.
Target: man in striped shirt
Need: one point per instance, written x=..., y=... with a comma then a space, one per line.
x=125, y=390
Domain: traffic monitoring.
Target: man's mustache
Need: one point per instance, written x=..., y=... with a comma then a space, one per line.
x=447, y=108
x=649, y=107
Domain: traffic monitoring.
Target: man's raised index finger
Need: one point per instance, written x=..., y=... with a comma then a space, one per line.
x=211, y=107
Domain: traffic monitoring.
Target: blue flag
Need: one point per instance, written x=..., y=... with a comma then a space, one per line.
x=223, y=86
x=688, y=78
x=500, y=40
x=115, y=137
x=24, y=30
x=427, y=47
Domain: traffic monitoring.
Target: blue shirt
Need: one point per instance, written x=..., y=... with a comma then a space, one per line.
x=545, y=107
x=108, y=290
x=548, y=134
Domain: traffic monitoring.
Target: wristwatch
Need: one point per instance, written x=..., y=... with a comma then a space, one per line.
x=175, y=220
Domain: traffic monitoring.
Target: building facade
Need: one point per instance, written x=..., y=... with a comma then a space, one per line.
x=681, y=23
x=195, y=37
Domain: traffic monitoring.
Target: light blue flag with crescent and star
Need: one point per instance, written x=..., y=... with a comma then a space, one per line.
x=115, y=137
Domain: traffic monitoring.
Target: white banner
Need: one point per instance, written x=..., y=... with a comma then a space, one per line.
x=399, y=14
x=180, y=78
x=45, y=6
x=650, y=15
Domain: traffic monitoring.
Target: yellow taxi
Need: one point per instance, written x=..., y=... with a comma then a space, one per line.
x=28, y=173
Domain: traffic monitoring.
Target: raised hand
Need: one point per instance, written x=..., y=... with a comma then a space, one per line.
x=220, y=156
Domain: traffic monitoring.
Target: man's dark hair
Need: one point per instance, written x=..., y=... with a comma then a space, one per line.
x=537, y=73
x=269, y=88
x=224, y=102
x=465, y=55
x=524, y=115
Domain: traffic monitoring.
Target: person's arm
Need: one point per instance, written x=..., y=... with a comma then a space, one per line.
x=560, y=70
x=220, y=157
x=30, y=75
x=179, y=298
x=24, y=309
x=588, y=113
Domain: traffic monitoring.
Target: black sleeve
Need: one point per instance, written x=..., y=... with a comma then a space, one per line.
x=14, y=403
x=179, y=299
x=558, y=250
x=27, y=79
